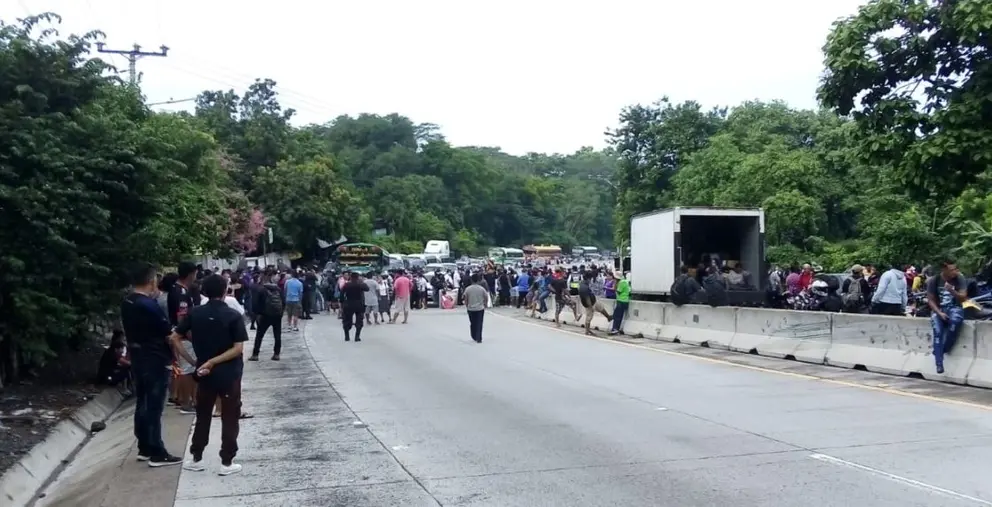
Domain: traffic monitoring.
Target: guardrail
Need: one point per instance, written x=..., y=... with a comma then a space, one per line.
x=876, y=343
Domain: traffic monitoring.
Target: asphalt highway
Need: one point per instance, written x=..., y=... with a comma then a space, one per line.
x=418, y=414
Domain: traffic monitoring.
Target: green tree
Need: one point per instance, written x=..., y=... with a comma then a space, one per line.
x=915, y=76
x=308, y=201
x=653, y=143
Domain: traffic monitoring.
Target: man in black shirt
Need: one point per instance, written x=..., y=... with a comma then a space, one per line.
x=146, y=329
x=183, y=296
x=218, y=335
x=353, y=306
x=309, y=294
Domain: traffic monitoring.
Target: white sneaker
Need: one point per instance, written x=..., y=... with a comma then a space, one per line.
x=233, y=468
x=194, y=466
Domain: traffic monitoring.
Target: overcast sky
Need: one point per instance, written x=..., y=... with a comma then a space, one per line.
x=535, y=75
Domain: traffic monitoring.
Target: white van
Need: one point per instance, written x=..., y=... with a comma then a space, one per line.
x=440, y=248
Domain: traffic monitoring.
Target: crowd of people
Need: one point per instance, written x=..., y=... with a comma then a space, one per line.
x=183, y=333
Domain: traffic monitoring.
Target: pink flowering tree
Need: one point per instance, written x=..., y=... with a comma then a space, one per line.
x=246, y=226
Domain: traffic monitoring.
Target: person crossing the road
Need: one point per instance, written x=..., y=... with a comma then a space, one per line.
x=269, y=305
x=402, y=287
x=353, y=306
x=476, y=300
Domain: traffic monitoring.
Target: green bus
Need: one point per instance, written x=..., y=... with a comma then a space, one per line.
x=360, y=258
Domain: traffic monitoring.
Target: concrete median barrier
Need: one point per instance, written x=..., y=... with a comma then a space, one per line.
x=882, y=344
x=980, y=374
x=898, y=346
x=645, y=319
x=804, y=336
x=700, y=325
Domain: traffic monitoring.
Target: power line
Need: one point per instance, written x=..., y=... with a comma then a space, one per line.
x=132, y=56
x=220, y=69
x=286, y=101
x=171, y=101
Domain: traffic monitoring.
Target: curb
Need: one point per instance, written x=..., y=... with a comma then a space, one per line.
x=27, y=477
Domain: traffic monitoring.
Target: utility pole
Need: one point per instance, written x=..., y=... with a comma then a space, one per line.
x=132, y=56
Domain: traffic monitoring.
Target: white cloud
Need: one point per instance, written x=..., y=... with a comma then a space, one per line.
x=539, y=75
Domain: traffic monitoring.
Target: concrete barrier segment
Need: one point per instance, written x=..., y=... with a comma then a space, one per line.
x=700, y=325
x=980, y=374
x=804, y=336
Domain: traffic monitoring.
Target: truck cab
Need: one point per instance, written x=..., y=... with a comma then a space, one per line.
x=439, y=248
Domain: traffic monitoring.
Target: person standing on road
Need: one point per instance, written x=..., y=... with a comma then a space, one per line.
x=294, y=301
x=589, y=301
x=476, y=300
x=382, y=292
x=217, y=332
x=183, y=296
x=402, y=287
x=353, y=306
x=371, y=300
x=622, y=305
x=270, y=308
x=146, y=328
x=523, y=287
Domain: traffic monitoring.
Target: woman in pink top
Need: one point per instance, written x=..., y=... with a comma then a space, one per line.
x=401, y=289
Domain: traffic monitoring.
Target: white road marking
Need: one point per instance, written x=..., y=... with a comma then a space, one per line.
x=661, y=408
x=400, y=447
x=900, y=479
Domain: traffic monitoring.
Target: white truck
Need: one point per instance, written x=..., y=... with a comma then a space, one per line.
x=662, y=241
x=439, y=247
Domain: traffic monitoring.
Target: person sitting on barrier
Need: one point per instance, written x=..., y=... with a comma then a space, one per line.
x=685, y=288
x=715, y=287
x=945, y=293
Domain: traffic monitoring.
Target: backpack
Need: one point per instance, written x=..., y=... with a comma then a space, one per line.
x=573, y=283
x=677, y=290
x=273, y=301
x=853, y=300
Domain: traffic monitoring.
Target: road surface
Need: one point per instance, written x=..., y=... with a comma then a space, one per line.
x=539, y=417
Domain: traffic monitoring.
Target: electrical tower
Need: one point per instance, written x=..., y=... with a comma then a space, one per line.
x=132, y=56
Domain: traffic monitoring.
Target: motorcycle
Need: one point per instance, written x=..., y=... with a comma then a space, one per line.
x=979, y=307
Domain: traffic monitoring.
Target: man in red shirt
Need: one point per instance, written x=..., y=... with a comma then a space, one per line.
x=402, y=287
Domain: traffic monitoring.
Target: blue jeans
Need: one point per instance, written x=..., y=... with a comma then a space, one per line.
x=151, y=387
x=945, y=333
x=619, y=311
x=542, y=300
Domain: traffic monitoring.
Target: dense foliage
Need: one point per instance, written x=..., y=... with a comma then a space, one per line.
x=91, y=180
x=903, y=176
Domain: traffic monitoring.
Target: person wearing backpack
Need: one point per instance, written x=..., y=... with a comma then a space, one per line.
x=270, y=309
x=856, y=290
x=684, y=288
